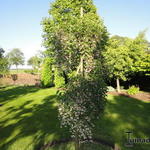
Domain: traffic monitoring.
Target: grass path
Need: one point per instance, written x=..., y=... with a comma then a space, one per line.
x=28, y=119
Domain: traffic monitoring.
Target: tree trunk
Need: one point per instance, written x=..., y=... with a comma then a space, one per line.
x=118, y=85
x=81, y=12
x=82, y=66
x=77, y=144
x=17, y=68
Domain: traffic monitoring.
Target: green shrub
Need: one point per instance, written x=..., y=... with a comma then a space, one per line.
x=59, y=80
x=47, y=74
x=133, y=90
x=110, y=88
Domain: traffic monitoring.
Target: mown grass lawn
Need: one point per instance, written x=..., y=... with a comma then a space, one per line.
x=28, y=119
x=124, y=114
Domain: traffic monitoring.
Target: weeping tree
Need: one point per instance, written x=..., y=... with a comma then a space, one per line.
x=75, y=36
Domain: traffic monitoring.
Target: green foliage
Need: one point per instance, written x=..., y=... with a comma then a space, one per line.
x=124, y=56
x=117, y=58
x=133, y=90
x=4, y=66
x=68, y=36
x=35, y=62
x=143, y=65
x=47, y=74
x=74, y=35
x=59, y=80
x=81, y=104
x=139, y=54
x=15, y=57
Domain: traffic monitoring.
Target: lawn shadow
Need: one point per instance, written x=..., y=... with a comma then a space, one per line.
x=14, y=92
x=40, y=122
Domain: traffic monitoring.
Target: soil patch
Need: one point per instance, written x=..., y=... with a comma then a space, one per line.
x=22, y=79
x=145, y=96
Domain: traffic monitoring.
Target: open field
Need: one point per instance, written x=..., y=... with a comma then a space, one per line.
x=28, y=120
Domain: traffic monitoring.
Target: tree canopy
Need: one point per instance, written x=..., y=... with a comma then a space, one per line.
x=73, y=31
x=15, y=57
x=35, y=62
x=125, y=56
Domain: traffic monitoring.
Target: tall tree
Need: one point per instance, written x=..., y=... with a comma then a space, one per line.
x=117, y=59
x=139, y=52
x=75, y=36
x=16, y=57
x=73, y=33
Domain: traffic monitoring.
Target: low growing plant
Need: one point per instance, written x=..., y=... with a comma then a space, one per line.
x=133, y=90
x=110, y=89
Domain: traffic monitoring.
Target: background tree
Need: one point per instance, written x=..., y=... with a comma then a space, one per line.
x=117, y=59
x=47, y=74
x=126, y=57
x=1, y=52
x=139, y=52
x=3, y=62
x=75, y=36
x=35, y=62
x=15, y=57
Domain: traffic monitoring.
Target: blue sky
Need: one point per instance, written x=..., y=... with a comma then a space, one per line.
x=20, y=21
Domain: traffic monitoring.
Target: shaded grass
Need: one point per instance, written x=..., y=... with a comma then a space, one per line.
x=28, y=120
